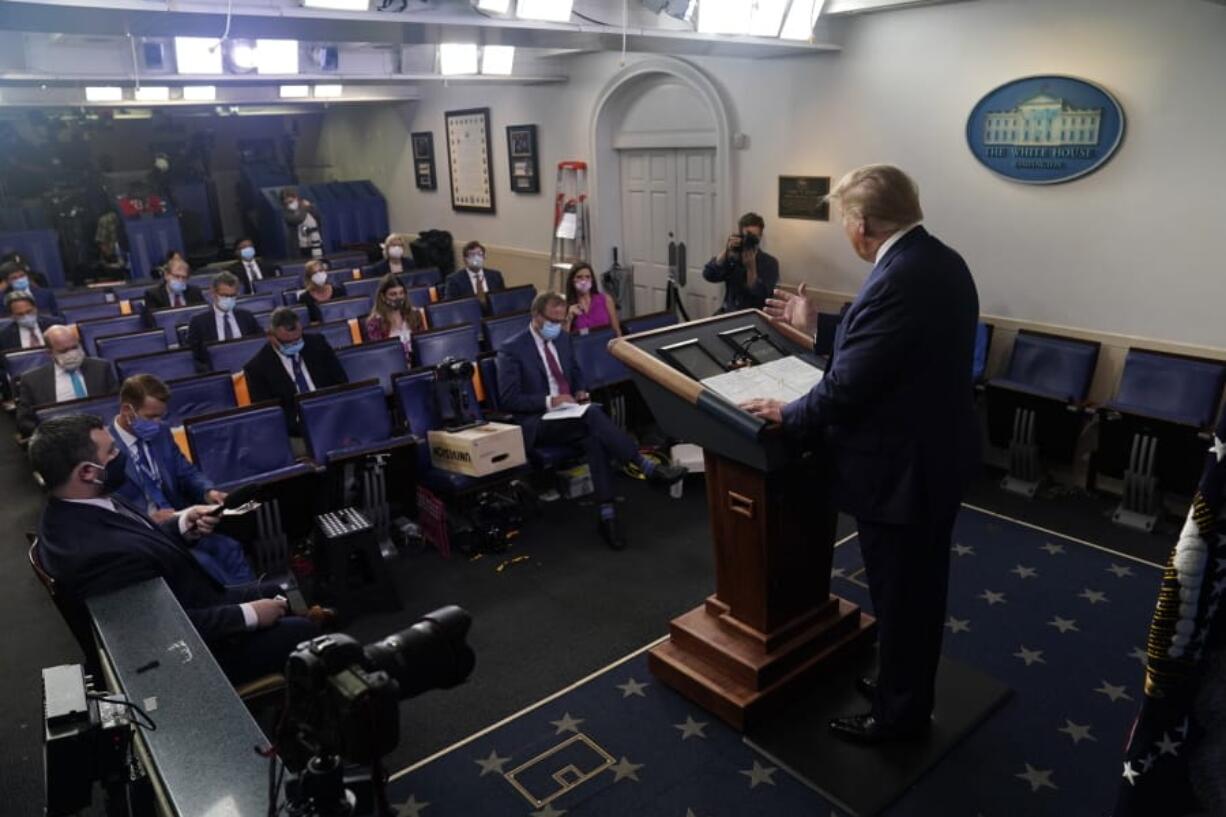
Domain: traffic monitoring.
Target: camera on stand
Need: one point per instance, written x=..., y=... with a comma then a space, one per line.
x=342, y=707
x=451, y=378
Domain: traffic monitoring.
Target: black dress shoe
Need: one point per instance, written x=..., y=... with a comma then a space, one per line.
x=865, y=728
x=666, y=474
x=611, y=533
x=867, y=686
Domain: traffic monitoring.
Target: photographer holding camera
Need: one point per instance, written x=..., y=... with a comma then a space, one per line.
x=749, y=274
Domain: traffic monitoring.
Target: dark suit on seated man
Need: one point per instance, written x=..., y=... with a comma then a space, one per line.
x=161, y=481
x=26, y=330
x=537, y=371
x=94, y=542
x=70, y=376
x=473, y=279
x=895, y=412
x=223, y=322
x=291, y=363
x=248, y=268
x=18, y=277
x=174, y=290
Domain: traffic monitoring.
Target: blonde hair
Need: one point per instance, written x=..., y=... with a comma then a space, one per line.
x=313, y=266
x=882, y=195
x=404, y=241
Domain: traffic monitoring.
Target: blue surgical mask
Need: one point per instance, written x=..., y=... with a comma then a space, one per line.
x=145, y=429
x=292, y=349
x=247, y=253
x=551, y=330
x=28, y=321
x=177, y=286
x=21, y=284
x=226, y=302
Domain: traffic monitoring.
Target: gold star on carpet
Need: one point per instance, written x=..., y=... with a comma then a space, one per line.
x=1037, y=778
x=1024, y=572
x=410, y=808
x=1114, y=692
x=958, y=625
x=632, y=687
x=691, y=728
x=624, y=769
x=549, y=811
x=1063, y=624
x=1120, y=571
x=1030, y=656
x=759, y=774
x=1093, y=596
x=1078, y=732
x=1053, y=548
x=992, y=597
x=567, y=724
x=492, y=764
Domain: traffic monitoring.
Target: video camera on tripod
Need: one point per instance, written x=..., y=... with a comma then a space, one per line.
x=451, y=378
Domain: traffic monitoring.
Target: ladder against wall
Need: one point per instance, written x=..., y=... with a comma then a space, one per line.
x=570, y=238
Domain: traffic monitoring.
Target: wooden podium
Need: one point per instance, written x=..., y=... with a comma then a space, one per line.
x=772, y=622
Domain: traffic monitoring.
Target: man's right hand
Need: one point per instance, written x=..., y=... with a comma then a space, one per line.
x=268, y=611
x=162, y=514
x=560, y=400
x=794, y=310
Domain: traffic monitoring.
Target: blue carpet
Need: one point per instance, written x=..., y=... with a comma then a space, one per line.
x=1060, y=622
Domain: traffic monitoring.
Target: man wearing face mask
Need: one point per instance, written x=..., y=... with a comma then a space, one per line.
x=161, y=481
x=174, y=290
x=749, y=273
x=223, y=322
x=538, y=371
x=249, y=268
x=17, y=277
x=26, y=330
x=93, y=541
x=292, y=363
x=474, y=279
x=304, y=223
x=70, y=376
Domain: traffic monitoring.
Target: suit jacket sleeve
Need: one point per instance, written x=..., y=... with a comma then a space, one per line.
x=259, y=386
x=189, y=479
x=511, y=392
x=196, y=340
x=876, y=346
x=454, y=286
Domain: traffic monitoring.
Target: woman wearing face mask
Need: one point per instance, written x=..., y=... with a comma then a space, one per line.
x=318, y=289
x=396, y=258
x=304, y=223
x=588, y=307
x=392, y=316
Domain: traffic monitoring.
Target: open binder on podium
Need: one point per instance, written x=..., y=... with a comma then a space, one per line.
x=772, y=622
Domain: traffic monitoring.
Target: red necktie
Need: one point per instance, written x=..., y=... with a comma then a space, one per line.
x=556, y=370
x=178, y=299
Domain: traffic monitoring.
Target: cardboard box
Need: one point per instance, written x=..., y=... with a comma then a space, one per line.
x=478, y=451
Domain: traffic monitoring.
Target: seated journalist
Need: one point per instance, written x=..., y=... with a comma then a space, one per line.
x=224, y=321
x=93, y=541
x=473, y=279
x=69, y=376
x=291, y=363
x=537, y=371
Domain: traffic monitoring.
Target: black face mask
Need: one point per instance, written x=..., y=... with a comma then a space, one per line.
x=113, y=473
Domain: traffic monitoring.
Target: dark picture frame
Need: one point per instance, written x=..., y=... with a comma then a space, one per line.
x=522, y=161
x=804, y=197
x=470, y=160
x=423, y=160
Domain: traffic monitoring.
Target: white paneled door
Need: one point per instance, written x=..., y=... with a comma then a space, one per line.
x=669, y=196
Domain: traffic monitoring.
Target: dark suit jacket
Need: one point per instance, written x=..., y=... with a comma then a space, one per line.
x=10, y=336
x=90, y=551
x=38, y=389
x=895, y=406
x=268, y=380
x=459, y=285
x=202, y=329
x=312, y=305
x=158, y=298
x=239, y=270
x=523, y=383
x=181, y=481
x=733, y=274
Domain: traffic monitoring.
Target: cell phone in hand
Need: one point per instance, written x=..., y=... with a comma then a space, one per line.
x=297, y=604
x=215, y=511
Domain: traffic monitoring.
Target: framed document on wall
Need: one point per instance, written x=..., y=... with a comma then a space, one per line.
x=804, y=197
x=521, y=150
x=468, y=160
x=423, y=160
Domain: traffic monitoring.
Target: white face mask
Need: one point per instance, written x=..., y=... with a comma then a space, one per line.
x=475, y=261
x=161, y=164
x=319, y=279
x=292, y=204
x=71, y=360
x=396, y=252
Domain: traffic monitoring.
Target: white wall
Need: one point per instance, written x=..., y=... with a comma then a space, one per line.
x=1131, y=249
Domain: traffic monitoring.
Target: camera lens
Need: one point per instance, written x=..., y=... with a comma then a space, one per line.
x=432, y=654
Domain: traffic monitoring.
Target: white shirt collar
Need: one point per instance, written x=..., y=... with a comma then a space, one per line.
x=127, y=439
x=894, y=239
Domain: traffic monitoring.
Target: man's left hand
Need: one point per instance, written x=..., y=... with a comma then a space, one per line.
x=582, y=396
x=769, y=410
x=199, y=521
x=215, y=497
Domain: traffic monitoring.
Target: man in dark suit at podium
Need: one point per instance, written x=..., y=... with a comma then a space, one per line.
x=895, y=414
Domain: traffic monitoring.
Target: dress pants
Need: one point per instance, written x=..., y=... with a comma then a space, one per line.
x=223, y=558
x=602, y=441
x=246, y=656
x=907, y=567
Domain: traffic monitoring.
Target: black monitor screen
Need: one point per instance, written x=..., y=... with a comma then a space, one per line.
x=690, y=357
x=754, y=343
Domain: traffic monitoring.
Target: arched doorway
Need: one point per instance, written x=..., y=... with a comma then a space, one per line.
x=661, y=170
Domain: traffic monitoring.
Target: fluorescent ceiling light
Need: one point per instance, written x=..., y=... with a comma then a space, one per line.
x=342, y=5
x=328, y=91
x=198, y=55
x=243, y=55
x=801, y=19
x=152, y=93
x=553, y=11
x=724, y=16
x=457, y=58
x=295, y=91
x=494, y=6
x=276, y=56
x=497, y=59
x=103, y=93
x=768, y=16
x=200, y=93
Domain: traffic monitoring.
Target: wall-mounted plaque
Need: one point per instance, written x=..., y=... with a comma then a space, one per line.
x=469, y=160
x=804, y=197
x=423, y=160
x=521, y=148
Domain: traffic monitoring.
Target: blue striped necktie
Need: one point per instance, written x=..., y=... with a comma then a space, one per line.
x=299, y=375
x=78, y=384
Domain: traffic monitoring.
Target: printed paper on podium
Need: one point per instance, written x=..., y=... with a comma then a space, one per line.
x=785, y=379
